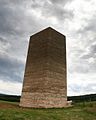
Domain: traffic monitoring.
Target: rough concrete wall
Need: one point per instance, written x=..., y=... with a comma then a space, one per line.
x=45, y=74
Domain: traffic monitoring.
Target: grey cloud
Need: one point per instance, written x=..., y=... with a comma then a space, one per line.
x=86, y=35
x=9, y=19
x=60, y=1
x=82, y=88
x=3, y=41
x=16, y=26
x=82, y=66
x=93, y=48
x=11, y=69
x=60, y=13
x=91, y=53
x=13, y=2
x=52, y=10
x=75, y=88
x=79, y=67
x=14, y=19
x=4, y=45
x=80, y=60
x=13, y=40
x=90, y=24
x=76, y=63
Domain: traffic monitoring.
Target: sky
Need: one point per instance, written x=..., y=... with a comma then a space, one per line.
x=76, y=19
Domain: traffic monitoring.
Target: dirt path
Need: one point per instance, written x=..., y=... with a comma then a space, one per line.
x=8, y=105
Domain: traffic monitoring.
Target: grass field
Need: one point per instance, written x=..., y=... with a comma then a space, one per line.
x=80, y=111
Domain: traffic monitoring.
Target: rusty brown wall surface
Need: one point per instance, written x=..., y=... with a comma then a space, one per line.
x=45, y=73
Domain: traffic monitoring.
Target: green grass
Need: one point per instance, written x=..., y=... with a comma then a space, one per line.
x=80, y=111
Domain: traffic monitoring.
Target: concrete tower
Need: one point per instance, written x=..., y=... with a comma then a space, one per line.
x=45, y=73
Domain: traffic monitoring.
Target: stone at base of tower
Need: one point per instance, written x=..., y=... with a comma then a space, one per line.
x=38, y=100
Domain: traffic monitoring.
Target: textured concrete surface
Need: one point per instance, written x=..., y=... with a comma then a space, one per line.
x=45, y=73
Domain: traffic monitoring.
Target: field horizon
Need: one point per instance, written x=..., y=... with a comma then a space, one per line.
x=80, y=98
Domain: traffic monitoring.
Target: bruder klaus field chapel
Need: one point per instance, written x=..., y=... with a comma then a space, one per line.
x=45, y=81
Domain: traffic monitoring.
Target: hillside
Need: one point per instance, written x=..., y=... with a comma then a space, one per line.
x=82, y=98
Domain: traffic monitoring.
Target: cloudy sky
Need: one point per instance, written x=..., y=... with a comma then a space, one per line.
x=76, y=19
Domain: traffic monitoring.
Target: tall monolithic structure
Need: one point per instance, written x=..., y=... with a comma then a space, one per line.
x=45, y=73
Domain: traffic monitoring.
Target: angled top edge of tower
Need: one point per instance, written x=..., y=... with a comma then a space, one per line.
x=48, y=29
